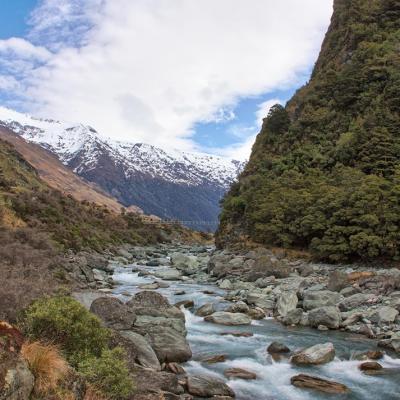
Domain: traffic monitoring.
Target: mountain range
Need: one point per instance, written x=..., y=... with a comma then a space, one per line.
x=174, y=185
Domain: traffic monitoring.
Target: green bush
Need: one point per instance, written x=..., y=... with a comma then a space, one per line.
x=64, y=321
x=108, y=373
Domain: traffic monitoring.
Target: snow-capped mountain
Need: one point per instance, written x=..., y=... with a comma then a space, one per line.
x=178, y=185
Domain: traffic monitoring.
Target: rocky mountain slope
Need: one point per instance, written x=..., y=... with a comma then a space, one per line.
x=175, y=185
x=58, y=176
x=324, y=171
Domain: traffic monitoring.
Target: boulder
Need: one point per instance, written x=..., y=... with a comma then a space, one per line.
x=355, y=301
x=349, y=291
x=327, y=316
x=338, y=280
x=256, y=313
x=144, y=354
x=154, y=383
x=322, y=385
x=264, y=301
x=321, y=298
x=315, y=355
x=186, y=263
x=226, y=284
x=370, y=366
x=287, y=301
x=185, y=304
x=293, y=317
x=204, y=310
x=239, y=307
x=227, y=318
x=114, y=313
x=384, y=315
x=215, y=359
x=239, y=373
x=208, y=386
x=170, y=274
x=168, y=344
x=276, y=347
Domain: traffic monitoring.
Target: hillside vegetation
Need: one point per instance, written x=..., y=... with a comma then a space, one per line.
x=324, y=174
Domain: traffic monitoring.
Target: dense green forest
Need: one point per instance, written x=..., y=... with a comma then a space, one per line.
x=324, y=174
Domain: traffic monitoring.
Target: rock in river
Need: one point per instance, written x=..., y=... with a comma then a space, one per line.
x=328, y=316
x=208, y=386
x=239, y=373
x=322, y=385
x=227, y=318
x=315, y=355
x=276, y=347
x=287, y=302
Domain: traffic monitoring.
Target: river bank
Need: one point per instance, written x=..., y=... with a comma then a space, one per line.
x=238, y=304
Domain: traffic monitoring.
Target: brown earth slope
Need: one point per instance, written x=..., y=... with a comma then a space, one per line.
x=59, y=177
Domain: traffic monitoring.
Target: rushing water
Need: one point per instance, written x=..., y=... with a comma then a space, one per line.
x=273, y=377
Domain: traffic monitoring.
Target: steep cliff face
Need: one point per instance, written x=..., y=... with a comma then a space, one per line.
x=324, y=172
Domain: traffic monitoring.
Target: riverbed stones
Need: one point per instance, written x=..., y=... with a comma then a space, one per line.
x=259, y=299
x=215, y=359
x=370, y=366
x=227, y=318
x=315, y=355
x=316, y=383
x=239, y=307
x=315, y=299
x=114, y=313
x=145, y=355
x=239, y=373
x=287, y=301
x=170, y=274
x=384, y=315
x=208, y=386
x=188, y=264
x=293, y=317
x=277, y=348
x=327, y=316
x=356, y=300
x=205, y=309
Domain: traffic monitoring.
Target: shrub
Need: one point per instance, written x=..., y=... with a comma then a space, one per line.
x=64, y=321
x=108, y=373
x=47, y=364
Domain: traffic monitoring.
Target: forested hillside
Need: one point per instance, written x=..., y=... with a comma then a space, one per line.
x=324, y=173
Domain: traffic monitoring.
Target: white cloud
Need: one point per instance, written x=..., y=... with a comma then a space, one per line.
x=22, y=49
x=148, y=70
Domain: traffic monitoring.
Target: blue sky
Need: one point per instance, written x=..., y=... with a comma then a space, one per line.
x=174, y=74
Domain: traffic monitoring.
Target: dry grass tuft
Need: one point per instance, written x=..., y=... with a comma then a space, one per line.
x=94, y=394
x=47, y=365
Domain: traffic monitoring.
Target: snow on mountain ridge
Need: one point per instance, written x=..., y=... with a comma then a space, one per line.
x=67, y=140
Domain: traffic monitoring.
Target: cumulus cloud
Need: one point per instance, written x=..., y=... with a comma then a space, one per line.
x=149, y=70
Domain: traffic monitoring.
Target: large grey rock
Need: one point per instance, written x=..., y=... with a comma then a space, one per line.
x=143, y=322
x=205, y=310
x=187, y=263
x=328, y=316
x=170, y=274
x=264, y=301
x=208, y=386
x=384, y=315
x=315, y=355
x=287, y=302
x=314, y=299
x=338, y=280
x=355, y=300
x=227, y=318
x=113, y=312
x=145, y=355
x=293, y=317
x=316, y=383
x=169, y=344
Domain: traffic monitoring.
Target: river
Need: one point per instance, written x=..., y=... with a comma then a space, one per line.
x=273, y=377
